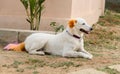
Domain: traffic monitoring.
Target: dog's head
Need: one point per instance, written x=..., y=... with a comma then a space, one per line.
x=80, y=25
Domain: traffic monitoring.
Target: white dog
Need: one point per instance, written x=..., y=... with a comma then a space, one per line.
x=69, y=43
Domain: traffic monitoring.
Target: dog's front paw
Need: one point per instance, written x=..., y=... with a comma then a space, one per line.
x=90, y=57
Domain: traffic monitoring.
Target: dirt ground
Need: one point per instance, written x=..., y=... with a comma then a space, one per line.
x=21, y=62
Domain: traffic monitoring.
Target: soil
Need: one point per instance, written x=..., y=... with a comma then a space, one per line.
x=21, y=62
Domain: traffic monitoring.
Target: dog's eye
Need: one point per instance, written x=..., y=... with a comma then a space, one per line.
x=83, y=24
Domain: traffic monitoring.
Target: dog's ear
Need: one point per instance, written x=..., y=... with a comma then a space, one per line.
x=71, y=23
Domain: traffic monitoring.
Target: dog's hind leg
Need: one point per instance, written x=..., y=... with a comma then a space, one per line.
x=36, y=52
x=36, y=48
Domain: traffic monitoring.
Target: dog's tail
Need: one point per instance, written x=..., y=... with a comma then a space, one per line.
x=15, y=47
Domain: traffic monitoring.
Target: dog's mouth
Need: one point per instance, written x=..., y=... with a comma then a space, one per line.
x=82, y=30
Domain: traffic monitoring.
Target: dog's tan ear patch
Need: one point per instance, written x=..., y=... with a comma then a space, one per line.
x=72, y=23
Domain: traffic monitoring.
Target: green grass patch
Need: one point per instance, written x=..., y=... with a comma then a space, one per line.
x=62, y=64
x=35, y=72
x=109, y=71
x=15, y=64
x=19, y=70
x=36, y=62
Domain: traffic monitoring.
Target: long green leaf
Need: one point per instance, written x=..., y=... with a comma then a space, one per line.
x=32, y=6
x=40, y=2
x=25, y=3
x=33, y=10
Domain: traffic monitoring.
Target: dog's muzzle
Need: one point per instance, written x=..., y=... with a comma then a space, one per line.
x=87, y=32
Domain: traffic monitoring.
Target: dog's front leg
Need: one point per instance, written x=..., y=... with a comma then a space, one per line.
x=71, y=53
x=83, y=50
x=90, y=55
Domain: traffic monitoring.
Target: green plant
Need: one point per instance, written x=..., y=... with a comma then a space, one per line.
x=57, y=27
x=35, y=72
x=33, y=10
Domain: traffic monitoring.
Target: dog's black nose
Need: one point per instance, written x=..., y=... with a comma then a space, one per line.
x=91, y=29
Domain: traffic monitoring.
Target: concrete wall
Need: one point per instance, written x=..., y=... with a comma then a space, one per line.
x=12, y=13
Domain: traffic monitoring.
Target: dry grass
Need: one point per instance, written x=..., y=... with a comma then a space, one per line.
x=111, y=18
x=110, y=71
x=106, y=32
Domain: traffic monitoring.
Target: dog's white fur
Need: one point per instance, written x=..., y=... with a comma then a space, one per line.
x=63, y=44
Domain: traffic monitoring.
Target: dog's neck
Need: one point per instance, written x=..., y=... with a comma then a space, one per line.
x=73, y=33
